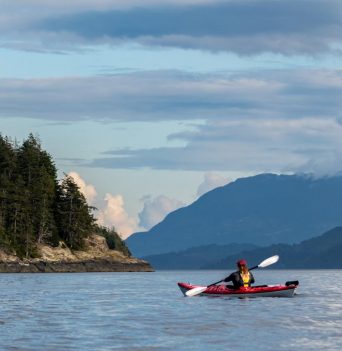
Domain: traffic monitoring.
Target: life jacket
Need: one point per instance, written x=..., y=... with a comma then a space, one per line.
x=245, y=278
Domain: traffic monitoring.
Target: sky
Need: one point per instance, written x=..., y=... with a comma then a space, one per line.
x=149, y=104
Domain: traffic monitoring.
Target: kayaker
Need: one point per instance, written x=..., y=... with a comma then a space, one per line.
x=241, y=278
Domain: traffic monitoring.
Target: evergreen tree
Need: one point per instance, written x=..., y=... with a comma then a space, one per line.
x=7, y=168
x=40, y=178
x=75, y=220
x=20, y=226
x=34, y=208
x=113, y=239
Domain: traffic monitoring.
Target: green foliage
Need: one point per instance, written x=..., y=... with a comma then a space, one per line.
x=75, y=221
x=35, y=208
x=28, y=180
x=113, y=239
x=39, y=175
x=7, y=167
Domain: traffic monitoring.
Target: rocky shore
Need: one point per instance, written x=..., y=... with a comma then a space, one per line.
x=96, y=257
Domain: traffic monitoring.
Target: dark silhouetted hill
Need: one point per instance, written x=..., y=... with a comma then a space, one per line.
x=197, y=257
x=322, y=252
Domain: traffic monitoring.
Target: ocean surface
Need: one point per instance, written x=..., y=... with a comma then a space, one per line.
x=146, y=311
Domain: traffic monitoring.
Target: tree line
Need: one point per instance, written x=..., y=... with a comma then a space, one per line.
x=36, y=208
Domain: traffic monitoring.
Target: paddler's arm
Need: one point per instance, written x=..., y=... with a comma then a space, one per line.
x=230, y=278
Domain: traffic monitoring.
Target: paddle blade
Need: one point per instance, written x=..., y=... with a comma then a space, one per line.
x=195, y=291
x=268, y=261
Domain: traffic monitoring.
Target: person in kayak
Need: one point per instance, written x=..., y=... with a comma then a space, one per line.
x=241, y=278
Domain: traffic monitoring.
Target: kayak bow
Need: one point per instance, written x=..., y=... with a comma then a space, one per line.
x=286, y=290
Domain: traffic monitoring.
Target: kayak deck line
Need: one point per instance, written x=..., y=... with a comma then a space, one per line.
x=286, y=290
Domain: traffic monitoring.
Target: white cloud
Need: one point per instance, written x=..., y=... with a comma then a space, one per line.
x=241, y=145
x=328, y=164
x=115, y=215
x=88, y=190
x=210, y=182
x=155, y=210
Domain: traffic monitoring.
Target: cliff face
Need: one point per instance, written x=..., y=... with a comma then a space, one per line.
x=96, y=257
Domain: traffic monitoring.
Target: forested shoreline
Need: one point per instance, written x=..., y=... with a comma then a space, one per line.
x=37, y=208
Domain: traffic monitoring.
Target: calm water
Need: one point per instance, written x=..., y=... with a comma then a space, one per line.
x=146, y=311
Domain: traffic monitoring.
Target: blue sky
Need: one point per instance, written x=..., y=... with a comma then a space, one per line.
x=151, y=103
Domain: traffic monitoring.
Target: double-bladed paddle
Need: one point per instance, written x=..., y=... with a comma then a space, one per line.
x=263, y=264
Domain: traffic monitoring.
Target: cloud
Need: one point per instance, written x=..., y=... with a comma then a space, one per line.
x=245, y=27
x=88, y=190
x=155, y=210
x=326, y=165
x=112, y=213
x=80, y=6
x=139, y=96
x=173, y=95
x=261, y=145
x=115, y=215
x=265, y=121
x=210, y=182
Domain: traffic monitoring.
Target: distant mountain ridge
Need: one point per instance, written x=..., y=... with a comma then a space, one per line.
x=196, y=257
x=264, y=209
x=323, y=252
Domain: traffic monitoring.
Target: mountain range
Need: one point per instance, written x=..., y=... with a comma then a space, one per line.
x=196, y=257
x=261, y=210
x=321, y=252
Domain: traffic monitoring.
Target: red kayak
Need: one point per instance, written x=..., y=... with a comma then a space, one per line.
x=286, y=290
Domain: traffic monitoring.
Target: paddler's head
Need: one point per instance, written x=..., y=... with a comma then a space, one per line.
x=242, y=265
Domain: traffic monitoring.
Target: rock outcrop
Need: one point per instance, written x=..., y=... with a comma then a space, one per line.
x=96, y=257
